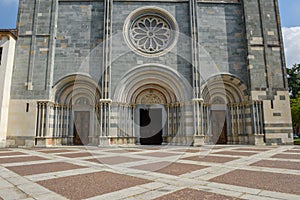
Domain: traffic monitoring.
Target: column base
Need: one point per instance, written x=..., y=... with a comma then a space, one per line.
x=256, y=139
x=199, y=140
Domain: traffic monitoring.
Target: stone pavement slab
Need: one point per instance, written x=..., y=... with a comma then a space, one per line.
x=277, y=164
x=43, y=168
x=150, y=172
x=191, y=194
x=89, y=185
x=285, y=183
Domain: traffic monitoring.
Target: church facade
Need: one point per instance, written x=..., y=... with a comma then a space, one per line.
x=121, y=72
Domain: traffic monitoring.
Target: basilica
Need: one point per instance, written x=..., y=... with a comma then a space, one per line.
x=145, y=72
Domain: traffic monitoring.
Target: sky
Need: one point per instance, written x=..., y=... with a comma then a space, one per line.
x=289, y=12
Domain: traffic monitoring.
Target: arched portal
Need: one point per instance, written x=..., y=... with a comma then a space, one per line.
x=155, y=96
x=226, y=110
x=73, y=114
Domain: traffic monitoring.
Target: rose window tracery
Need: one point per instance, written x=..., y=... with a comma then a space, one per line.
x=150, y=34
x=150, y=31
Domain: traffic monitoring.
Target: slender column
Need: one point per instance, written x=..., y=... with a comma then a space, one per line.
x=38, y=131
x=67, y=133
x=238, y=119
x=257, y=117
x=133, y=119
x=232, y=123
x=61, y=125
x=168, y=120
x=260, y=117
x=105, y=95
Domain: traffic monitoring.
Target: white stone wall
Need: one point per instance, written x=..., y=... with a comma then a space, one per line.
x=6, y=66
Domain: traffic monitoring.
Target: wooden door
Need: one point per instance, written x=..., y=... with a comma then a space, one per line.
x=81, y=127
x=219, y=126
x=151, y=126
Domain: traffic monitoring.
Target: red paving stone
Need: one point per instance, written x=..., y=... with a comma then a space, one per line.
x=293, y=151
x=124, y=151
x=21, y=159
x=114, y=160
x=4, y=149
x=277, y=182
x=194, y=150
x=287, y=156
x=92, y=184
x=56, y=151
x=158, y=154
x=213, y=159
x=253, y=149
x=78, y=155
x=43, y=168
x=171, y=168
x=192, y=194
x=188, y=150
x=236, y=153
x=277, y=164
x=11, y=153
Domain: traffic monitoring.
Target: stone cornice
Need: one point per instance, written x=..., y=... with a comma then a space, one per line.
x=8, y=33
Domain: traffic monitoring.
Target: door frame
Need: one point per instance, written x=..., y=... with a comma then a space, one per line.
x=83, y=108
x=224, y=108
x=137, y=119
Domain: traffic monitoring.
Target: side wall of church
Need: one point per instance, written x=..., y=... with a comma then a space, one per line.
x=79, y=39
x=266, y=67
x=221, y=32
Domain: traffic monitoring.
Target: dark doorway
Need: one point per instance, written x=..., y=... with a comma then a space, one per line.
x=81, y=127
x=151, y=126
x=219, y=126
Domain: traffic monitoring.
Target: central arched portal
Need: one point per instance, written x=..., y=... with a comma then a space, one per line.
x=151, y=116
x=157, y=96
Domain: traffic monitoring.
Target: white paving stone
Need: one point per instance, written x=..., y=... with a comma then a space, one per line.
x=12, y=194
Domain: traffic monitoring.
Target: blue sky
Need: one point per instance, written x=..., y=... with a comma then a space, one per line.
x=289, y=11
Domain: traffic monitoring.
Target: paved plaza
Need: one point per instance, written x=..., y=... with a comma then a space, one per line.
x=151, y=172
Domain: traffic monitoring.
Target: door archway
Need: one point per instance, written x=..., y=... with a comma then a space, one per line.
x=227, y=105
x=77, y=97
x=158, y=93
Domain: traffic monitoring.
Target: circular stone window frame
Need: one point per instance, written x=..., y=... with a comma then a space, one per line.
x=151, y=11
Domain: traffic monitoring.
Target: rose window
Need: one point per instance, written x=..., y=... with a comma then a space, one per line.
x=150, y=31
x=150, y=34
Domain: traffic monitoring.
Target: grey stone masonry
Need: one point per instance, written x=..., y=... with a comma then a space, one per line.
x=265, y=49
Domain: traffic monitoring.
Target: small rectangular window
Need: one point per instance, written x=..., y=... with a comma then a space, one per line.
x=1, y=48
x=27, y=107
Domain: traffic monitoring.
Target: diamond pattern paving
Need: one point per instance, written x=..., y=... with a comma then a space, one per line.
x=114, y=160
x=192, y=194
x=278, y=164
x=56, y=150
x=92, y=184
x=236, y=153
x=252, y=149
x=158, y=154
x=213, y=159
x=286, y=183
x=20, y=159
x=287, y=156
x=123, y=151
x=78, y=155
x=174, y=168
x=180, y=173
x=293, y=151
x=11, y=153
x=43, y=168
